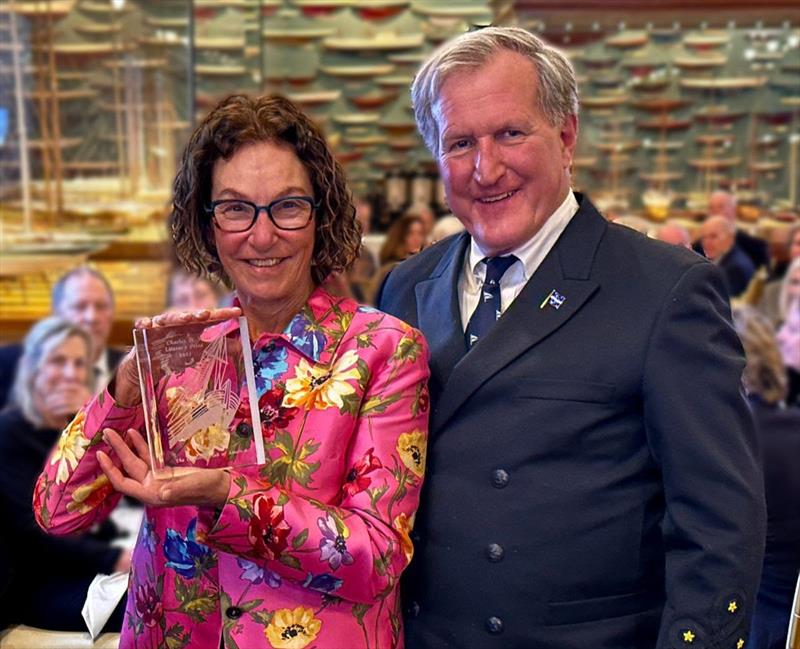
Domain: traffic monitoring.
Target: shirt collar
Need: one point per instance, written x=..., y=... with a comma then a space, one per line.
x=530, y=253
x=315, y=330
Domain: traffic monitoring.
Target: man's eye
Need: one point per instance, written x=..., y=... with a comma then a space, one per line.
x=459, y=144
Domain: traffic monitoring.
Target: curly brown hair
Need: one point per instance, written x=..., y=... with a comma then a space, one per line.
x=239, y=120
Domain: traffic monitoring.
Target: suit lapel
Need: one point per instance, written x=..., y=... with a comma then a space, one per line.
x=438, y=311
x=567, y=270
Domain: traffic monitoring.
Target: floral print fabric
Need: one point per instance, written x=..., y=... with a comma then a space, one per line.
x=308, y=549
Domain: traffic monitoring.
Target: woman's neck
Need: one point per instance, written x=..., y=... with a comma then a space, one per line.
x=273, y=317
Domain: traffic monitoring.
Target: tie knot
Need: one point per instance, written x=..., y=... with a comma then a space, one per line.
x=496, y=267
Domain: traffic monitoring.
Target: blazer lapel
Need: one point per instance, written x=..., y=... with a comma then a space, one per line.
x=531, y=317
x=439, y=314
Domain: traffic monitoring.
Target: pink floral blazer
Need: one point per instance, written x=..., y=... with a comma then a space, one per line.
x=308, y=549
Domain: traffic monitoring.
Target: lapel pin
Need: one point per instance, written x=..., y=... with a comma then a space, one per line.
x=553, y=299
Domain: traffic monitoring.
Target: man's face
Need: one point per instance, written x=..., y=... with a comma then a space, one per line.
x=87, y=303
x=716, y=238
x=505, y=169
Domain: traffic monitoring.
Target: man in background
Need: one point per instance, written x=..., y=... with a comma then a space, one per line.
x=83, y=296
x=675, y=235
x=718, y=238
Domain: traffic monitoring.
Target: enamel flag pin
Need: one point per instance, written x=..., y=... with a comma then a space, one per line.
x=554, y=299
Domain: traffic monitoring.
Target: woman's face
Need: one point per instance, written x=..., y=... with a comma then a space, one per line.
x=268, y=266
x=789, y=337
x=415, y=238
x=63, y=367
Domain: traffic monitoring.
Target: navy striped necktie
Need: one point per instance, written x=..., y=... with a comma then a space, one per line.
x=488, y=310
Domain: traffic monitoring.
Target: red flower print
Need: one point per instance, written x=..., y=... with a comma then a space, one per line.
x=273, y=414
x=268, y=530
x=148, y=604
x=357, y=480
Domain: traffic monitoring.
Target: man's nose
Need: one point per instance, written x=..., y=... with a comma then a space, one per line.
x=489, y=167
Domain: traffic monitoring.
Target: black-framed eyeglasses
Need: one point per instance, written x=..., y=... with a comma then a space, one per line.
x=287, y=213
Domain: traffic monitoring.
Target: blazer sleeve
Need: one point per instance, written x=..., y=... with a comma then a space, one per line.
x=702, y=435
x=359, y=544
x=73, y=493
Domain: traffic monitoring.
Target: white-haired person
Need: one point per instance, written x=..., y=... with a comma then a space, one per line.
x=46, y=578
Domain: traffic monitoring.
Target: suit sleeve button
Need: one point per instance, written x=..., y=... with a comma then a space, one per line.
x=494, y=625
x=499, y=478
x=495, y=552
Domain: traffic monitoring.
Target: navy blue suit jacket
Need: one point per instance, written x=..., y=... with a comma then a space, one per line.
x=593, y=476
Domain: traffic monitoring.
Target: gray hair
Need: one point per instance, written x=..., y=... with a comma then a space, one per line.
x=59, y=290
x=558, y=88
x=42, y=338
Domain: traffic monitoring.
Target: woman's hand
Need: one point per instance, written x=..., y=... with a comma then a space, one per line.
x=200, y=487
x=125, y=386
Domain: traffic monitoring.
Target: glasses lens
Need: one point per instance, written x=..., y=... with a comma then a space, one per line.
x=234, y=216
x=291, y=212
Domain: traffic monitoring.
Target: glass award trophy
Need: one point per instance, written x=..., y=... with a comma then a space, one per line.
x=193, y=379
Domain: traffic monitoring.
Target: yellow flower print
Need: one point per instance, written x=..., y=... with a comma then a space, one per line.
x=412, y=448
x=319, y=386
x=293, y=629
x=70, y=449
x=86, y=497
x=206, y=442
x=403, y=524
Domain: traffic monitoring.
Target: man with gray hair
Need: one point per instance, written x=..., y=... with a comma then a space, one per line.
x=718, y=238
x=84, y=297
x=593, y=479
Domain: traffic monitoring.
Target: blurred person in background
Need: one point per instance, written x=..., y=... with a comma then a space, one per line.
x=188, y=292
x=717, y=236
x=49, y=577
x=723, y=205
x=789, y=331
x=444, y=227
x=778, y=427
x=363, y=214
x=675, y=235
x=785, y=271
x=84, y=297
x=406, y=237
x=426, y=216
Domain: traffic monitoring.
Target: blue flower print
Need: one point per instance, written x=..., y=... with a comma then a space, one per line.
x=184, y=554
x=270, y=363
x=255, y=574
x=306, y=337
x=148, y=535
x=324, y=583
x=333, y=546
x=363, y=308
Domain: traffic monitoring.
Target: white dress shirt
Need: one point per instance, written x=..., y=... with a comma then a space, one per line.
x=529, y=256
x=101, y=373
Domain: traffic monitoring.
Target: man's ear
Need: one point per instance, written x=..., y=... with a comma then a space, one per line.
x=569, y=138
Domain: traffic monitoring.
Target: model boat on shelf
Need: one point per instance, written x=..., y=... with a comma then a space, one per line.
x=356, y=71
x=379, y=42
x=723, y=83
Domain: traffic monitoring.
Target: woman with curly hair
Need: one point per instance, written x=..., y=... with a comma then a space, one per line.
x=307, y=548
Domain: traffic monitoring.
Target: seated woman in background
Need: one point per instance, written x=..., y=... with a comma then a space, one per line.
x=779, y=429
x=49, y=577
x=308, y=548
x=406, y=237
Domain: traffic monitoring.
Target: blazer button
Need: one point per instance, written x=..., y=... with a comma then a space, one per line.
x=494, y=625
x=244, y=430
x=413, y=609
x=233, y=612
x=499, y=478
x=495, y=552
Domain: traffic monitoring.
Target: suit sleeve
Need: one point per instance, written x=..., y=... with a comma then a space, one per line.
x=702, y=435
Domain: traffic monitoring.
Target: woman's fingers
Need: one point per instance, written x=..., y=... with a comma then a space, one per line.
x=134, y=466
x=139, y=445
x=121, y=483
x=184, y=317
